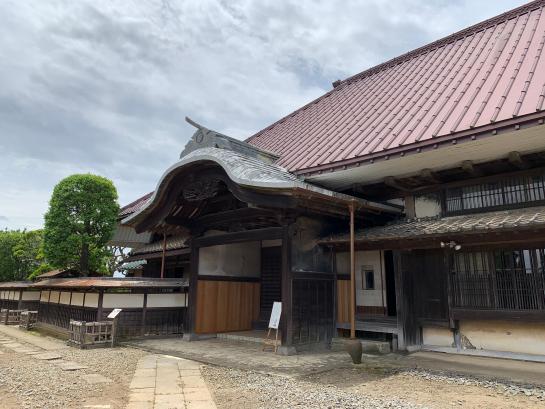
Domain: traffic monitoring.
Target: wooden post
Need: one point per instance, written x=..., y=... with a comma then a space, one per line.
x=164, y=253
x=286, y=321
x=99, y=307
x=352, y=276
x=114, y=330
x=20, y=301
x=191, y=315
x=144, y=309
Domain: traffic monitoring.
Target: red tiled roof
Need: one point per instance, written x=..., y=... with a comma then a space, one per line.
x=483, y=75
x=134, y=206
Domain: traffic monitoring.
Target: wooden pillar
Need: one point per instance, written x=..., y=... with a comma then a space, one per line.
x=286, y=320
x=163, y=255
x=20, y=301
x=190, y=319
x=100, y=302
x=352, y=276
x=144, y=310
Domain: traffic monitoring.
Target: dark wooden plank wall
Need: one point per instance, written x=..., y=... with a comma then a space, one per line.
x=313, y=309
x=421, y=292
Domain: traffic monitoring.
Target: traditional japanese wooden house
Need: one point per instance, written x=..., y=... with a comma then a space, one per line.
x=437, y=157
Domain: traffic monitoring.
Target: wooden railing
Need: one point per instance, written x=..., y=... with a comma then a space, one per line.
x=10, y=317
x=28, y=319
x=90, y=334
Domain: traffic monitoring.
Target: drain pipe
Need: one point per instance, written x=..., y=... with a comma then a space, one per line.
x=352, y=275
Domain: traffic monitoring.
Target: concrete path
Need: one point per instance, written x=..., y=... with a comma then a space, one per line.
x=165, y=382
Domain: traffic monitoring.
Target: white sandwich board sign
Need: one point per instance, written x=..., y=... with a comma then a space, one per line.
x=275, y=315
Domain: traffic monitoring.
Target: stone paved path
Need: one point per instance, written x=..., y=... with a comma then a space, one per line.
x=165, y=382
x=245, y=355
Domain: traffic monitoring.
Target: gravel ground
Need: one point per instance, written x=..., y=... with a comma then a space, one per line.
x=504, y=388
x=33, y=383
x=354, y=388
x=246, y=389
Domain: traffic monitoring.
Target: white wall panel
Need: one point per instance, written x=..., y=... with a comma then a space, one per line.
x=54, y=298
x=91, y=300
x=373, y=259
x=233, y=260
x=123, y=300
x=65, y=298
x=166, y=300
x=31, y=295
x=44, y=295
x=77, y=299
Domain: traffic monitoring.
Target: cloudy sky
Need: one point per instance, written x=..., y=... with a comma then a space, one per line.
x=103, y=86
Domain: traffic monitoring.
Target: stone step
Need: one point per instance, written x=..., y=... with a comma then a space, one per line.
x=369, y=346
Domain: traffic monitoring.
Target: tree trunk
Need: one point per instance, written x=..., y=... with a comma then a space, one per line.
x=84, y=260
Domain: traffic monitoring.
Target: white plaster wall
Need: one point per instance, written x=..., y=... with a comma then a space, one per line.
x=427, y=206
x=31, y=295
x=166, y=300
x=77, y=299
x=234, y=260
x=434, y=336
x=44, y=296
x=517, y=337
x=54, y=297
x=65, y=297
x=14, y=295
x=371, y=298
x=91, y=300
x=122, y=300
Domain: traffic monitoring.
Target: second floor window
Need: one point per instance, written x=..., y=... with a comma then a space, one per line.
x=505, y=193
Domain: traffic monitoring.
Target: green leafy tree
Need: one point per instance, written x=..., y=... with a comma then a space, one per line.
x=80, y=221
x=8, y=262
x=21, y=253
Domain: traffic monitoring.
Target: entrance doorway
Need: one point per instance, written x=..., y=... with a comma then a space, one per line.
x=271, y=282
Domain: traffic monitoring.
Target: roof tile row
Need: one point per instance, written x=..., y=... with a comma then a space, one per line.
x=488, y=73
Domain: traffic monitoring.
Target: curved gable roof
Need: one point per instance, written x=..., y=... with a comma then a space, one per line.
x=486, y=74
x=247, y=172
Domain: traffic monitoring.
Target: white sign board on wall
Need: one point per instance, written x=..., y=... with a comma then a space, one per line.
x=275, y=315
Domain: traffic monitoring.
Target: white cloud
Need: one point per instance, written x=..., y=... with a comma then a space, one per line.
x=100, y=86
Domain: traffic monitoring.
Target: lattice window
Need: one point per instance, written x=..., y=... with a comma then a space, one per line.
x=512, y=280
x=506, y=193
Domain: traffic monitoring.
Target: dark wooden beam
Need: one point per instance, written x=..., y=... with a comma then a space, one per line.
x=517, y=161
x=241, y=236
x=238, y=215
x=430, y=175
x=461, y=313
x=396, y=184
x=469, y=168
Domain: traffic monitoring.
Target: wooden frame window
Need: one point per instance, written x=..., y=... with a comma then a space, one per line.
x=367, y=278
x=500, y=279
x=511, y=192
